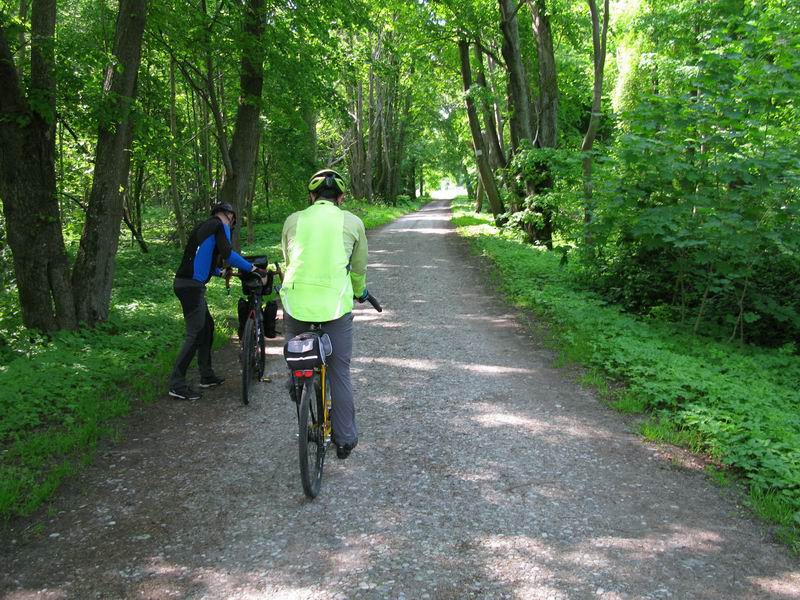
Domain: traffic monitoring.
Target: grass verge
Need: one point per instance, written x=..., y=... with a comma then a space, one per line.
x=61, y=394
x=737, y=404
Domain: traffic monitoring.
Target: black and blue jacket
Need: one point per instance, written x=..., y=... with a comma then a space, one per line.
x=209, y=244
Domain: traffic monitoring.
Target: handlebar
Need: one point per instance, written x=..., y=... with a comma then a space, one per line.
x=262, y=265
x=374, y=301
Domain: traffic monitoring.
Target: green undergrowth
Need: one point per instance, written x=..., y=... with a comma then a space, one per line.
x=736, y=404
x=62, y=394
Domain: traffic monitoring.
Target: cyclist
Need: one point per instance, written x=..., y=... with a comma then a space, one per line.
x=208, y=244
x=325, y=251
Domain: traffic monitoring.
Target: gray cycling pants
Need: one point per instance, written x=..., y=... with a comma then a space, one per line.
x=343, y=413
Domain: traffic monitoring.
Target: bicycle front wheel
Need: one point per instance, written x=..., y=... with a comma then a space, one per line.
x=311, y=440
x=261, y=355
x=249, y=366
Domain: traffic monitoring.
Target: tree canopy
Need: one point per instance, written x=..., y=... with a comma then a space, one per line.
x=650, y=141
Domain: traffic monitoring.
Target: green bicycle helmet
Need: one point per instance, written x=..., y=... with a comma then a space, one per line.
x=326, y=179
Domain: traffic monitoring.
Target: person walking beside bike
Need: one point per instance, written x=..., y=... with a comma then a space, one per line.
x=208, y=244
x=325, y=252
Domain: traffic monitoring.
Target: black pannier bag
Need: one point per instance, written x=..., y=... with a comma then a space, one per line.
x=307, y=350
x=270, y=319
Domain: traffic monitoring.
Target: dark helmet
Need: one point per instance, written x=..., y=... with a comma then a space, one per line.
x=222, y=207
x=326, y=179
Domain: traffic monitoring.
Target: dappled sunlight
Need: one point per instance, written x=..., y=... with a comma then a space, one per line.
x=424, y=230
x=781, y=585
x=550, y=427
x=380, y=265
x=655, y=544
x=499, y=419
x=365, y=316
x=353, y=555
x=443, y=365
x=400, y=363
x=508, y=320
x=426, y=214
x=496, y=369
x=218, y=582
x=46, y=594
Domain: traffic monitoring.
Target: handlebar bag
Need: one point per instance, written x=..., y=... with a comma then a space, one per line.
x=307, y=351
x=251, y=284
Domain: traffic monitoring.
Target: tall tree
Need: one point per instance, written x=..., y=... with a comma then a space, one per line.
x=547, y=131
x=244, y=144
x=599, y=37
x=518, y=92
x=484, y=169
x=27, y=176
x=93, y=275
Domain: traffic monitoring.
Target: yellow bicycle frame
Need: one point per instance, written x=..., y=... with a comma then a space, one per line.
x=326, y=419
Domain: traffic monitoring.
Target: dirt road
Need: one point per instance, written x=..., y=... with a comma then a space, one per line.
x=482, y=472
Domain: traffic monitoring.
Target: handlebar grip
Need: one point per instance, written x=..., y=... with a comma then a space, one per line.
x=375, y=304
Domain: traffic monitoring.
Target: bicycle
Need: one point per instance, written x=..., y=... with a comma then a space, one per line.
x=252, y=337
x=306, y=356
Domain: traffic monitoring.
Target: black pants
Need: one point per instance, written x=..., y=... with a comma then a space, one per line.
x=199, y=331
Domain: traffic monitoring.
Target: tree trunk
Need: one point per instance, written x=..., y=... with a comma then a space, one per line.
x=486, y=175
x=373, y=119
x=497, y=157
x=22, y=46
x=265, y=178
x=599, y=36
x=498, y=114
x=251, y=198
x=479, y=196
x=28, y=181
x=173, y=174
x=517, y=78
x=93, y=275
x=246, y=132
x=547, y=134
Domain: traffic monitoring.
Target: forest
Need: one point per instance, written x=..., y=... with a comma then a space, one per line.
x=646, y=147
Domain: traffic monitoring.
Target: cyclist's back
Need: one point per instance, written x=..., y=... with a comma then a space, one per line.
x=325, y=250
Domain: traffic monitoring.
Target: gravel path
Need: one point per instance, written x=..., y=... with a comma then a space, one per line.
x=481, y=473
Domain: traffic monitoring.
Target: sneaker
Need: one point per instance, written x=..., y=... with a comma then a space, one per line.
x=344, y=450
x=184, y=393
x=210, y=382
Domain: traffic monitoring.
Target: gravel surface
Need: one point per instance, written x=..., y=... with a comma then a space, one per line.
x=481, y=472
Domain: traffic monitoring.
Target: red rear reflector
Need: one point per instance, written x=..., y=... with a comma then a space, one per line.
x=308, y=373
x=298, y=373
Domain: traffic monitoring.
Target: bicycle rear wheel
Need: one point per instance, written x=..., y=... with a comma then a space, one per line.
x=311, y=440
x=249, y=365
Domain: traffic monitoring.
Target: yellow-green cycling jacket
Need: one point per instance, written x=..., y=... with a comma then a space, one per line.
x=325, y=251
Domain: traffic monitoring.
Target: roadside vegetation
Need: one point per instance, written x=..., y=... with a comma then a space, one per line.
x=735, y=403
x=61, y=393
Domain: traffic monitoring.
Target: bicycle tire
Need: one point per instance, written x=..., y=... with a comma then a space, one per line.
x=249, y=371
x=311, y=444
